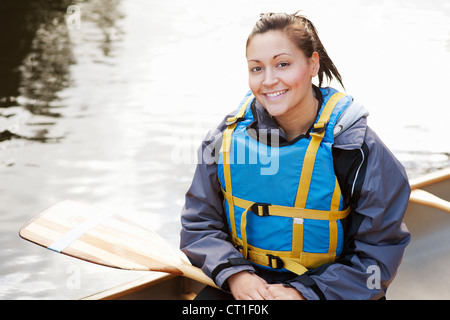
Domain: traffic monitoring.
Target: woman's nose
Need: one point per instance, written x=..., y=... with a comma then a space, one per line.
x=270, y=79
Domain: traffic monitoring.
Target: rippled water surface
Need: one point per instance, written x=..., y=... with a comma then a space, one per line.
x=109, y=106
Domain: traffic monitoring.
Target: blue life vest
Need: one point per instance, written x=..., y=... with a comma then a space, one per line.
x=283, y=202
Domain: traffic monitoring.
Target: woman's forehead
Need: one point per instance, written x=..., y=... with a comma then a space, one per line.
x=270, y=45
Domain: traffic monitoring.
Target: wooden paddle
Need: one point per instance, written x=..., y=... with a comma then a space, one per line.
x=428, y=199
x=89, y=233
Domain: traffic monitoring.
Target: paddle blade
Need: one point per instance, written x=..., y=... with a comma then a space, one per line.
x=89, y=233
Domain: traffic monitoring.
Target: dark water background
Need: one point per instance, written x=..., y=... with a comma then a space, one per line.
x=109, y=108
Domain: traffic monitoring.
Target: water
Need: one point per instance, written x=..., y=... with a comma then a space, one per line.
x=112, y=113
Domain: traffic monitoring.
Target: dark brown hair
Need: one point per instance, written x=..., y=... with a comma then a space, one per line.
x=303, y=33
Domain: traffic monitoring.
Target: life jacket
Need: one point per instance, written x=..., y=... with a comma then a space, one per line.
x=287, y=218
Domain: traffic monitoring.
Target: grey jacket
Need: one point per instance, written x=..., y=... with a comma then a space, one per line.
x=373, y=183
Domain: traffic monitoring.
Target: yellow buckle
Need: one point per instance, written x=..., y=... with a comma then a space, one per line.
x=231, y=121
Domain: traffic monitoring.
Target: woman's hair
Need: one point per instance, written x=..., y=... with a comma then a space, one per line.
x=303, y=33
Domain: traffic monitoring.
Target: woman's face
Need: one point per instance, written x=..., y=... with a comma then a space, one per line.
x=279, y=72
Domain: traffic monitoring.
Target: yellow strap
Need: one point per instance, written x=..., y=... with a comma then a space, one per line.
x=297, y=235
x=335, y=200
x=244, y=232
x=307, y=259
x=308, y=167
x=333, y=237
x=290, y=212
x=226, y=145
x=297, y=247
x=241, y=111
x=297, y=263
x=295, y=267
x=267, y=259
x=306, y=174
x=310, y=156
x=226, y=142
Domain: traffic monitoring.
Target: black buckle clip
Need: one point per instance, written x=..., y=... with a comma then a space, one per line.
x=319, y=128
x=233, y=120
x=275, y=262
x=239, y=248
x=260, y=209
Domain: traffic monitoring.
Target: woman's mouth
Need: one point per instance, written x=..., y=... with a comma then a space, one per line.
x=275, y=94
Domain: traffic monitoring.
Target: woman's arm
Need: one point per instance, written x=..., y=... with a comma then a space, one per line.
x=204, y=234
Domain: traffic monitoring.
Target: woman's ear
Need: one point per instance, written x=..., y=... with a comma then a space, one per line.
x=315, y=64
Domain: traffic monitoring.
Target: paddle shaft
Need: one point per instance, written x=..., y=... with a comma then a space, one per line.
x=428, y=199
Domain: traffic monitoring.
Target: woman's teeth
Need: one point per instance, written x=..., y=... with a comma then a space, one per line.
x=275, y=94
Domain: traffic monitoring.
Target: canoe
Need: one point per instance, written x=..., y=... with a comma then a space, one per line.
x=155, y=286
x=423, y=273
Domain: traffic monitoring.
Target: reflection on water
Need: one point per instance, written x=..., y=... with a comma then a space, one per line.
x=38, y=58
x=36, y=115
x=105, y=14
x=112, y=113
x=45, y=69
x=35, y=68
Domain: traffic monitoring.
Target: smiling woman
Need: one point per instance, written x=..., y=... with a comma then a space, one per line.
x=279, y=77
x=320, y=219
x=283, y=57
x=133, y=100
x=303, y=35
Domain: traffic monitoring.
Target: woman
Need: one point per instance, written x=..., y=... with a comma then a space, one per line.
x=302, y=200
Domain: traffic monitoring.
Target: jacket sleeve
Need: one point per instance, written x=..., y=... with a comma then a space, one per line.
x=204, y=235
x=378, y=192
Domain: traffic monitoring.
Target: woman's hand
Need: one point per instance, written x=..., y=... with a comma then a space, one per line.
x=280, y=292
x=248, y=286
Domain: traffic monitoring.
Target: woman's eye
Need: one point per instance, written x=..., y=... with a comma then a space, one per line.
x=255, y=69
x=283, y=64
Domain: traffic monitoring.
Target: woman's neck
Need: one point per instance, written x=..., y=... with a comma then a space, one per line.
x=299, y=119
